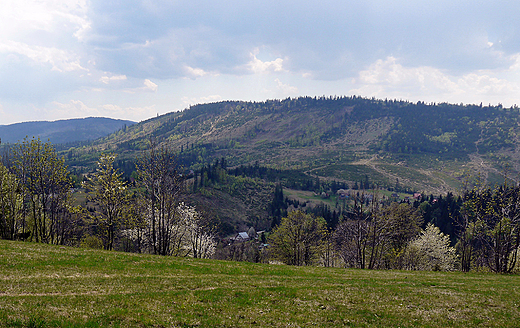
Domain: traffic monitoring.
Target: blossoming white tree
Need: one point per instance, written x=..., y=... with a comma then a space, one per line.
x=199, y=242
x=431, y=250
x=190, y=234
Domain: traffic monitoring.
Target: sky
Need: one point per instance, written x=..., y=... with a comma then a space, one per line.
x=136, y=59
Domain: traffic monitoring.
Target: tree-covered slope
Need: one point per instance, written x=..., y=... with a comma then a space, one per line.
x=63, y=131
x=428, y=147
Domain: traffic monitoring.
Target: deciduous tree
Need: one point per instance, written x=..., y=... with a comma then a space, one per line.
x=199, y=237
x=403, y=223
x=162, y=181
x=361, y=237
x=46, y=184
x=10, y=204
x=109, y=192
x=497, y=211
x=298, y=238
x=431, y=250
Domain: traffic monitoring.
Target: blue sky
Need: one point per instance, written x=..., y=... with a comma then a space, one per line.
x=134, y=59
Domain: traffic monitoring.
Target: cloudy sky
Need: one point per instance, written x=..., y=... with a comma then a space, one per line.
x=134, y=59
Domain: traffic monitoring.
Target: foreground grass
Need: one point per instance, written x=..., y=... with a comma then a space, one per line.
x=51, y=286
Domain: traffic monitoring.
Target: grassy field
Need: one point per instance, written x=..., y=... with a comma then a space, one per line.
x=52, y=286
x=352, y=172
x=309, y=196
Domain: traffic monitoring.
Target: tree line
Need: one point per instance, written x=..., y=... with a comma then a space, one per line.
x=467, y=232
x=36, y=204
x=377, y=235
x=479, y=230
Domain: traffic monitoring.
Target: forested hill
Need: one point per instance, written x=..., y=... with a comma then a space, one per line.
x=62, y=131
x=427, y=147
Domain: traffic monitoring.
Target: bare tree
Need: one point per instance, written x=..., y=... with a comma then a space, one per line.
x=403, y=223
x=469, y=244
x=190, y=234
x=161, y=178
x=360, y=238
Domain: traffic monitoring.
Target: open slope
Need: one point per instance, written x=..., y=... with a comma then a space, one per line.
x=427, y=147
x=52, y=286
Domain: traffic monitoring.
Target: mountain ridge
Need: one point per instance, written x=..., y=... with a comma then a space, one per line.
x=433, y=148
x=428, y=146
x=62, y=131
x=235, y=152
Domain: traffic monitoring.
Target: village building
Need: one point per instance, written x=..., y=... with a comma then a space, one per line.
x=242, y=236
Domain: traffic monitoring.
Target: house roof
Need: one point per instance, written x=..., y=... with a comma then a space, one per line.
x=243, y=235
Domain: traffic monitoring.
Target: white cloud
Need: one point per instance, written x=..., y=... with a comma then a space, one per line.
x=286, y=89
x=258, y=66
x=515, y=66
x=187, y=101
x=131, y=113
x=106, y=79
x=19, y=17
x=112, y=108
x=61, y=60
x=194, y=73
x=149, y=86
x=96, y=50
x=328, y=40
x=74, y=108
x=390, y=73
x=486, y=85
x=138, y=113
x=8, y=116
x=388, y=78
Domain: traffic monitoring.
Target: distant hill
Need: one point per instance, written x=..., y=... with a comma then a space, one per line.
x=62, y=131
x=391, y=143
x=315, y=146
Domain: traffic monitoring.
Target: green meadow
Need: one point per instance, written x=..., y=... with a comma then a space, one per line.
x=53, y=286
